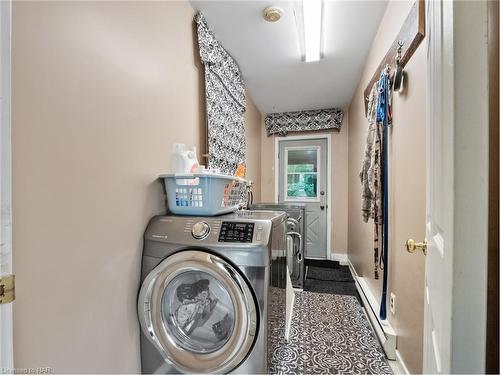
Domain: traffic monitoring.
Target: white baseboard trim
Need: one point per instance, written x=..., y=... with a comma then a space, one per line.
x=341, y=258
x=384, y=331
x=401, y=364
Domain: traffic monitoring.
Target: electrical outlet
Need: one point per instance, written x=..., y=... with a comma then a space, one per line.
x=392, y=304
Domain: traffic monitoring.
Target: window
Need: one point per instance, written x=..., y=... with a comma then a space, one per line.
x=301, y=173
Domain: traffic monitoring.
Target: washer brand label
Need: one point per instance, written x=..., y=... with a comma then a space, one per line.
x=160, y=236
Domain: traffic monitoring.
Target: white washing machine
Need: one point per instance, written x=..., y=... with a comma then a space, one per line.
x=211, y=289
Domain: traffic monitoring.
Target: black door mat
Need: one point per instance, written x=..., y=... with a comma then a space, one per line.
x=331, y=280
x=340, y=274
x=332, y=287
x=322, y=263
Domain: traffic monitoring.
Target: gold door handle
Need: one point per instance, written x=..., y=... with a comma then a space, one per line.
x=411, y=246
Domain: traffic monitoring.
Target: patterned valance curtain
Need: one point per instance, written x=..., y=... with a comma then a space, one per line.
x=301, y=121
x=225, y=102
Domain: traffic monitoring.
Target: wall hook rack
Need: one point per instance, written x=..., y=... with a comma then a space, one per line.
x=399, y=74
x=405, y=44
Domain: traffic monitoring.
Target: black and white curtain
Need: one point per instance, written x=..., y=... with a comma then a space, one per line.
x=321, y=119
x=225, y=102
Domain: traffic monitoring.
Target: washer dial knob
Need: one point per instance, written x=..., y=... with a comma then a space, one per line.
x=200, y=230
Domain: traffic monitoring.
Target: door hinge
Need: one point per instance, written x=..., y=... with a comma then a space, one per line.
x=7, y=289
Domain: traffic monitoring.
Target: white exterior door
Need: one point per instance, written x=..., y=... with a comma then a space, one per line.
x=303, y=178
x=457, y=173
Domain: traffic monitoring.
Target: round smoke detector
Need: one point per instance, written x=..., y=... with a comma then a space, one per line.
x=272, y=14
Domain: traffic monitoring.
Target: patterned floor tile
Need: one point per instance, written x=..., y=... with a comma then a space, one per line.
x=329, y=335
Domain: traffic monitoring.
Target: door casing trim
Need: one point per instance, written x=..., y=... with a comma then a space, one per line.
x=306, y=137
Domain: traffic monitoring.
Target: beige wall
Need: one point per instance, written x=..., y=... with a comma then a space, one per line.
x=253, y=139
x=339, y=180
x=267, y=168
x=101, y=90
x=407, y=190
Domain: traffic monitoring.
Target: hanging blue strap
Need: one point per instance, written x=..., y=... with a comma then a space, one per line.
x=383, y=116
x=385, y=226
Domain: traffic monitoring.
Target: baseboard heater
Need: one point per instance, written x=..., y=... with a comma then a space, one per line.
x=385, y=332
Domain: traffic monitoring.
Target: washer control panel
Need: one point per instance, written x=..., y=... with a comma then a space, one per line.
x=236, y=232
x=200, y=230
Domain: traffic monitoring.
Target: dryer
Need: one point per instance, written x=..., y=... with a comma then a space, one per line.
x=296, y=236
x=212, y=288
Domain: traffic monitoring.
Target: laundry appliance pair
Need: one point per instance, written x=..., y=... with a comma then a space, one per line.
x=213, y=292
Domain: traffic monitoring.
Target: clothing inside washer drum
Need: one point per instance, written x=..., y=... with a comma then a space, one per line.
x=198, y=312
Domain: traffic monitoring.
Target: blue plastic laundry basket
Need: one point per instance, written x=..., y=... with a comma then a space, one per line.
x=203, y=194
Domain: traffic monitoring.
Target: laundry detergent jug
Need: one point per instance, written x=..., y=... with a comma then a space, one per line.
x=183, y=160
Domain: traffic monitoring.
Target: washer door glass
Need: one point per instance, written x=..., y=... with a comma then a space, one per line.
x=197, y=311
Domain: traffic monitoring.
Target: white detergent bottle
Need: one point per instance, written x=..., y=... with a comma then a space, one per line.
x=192, y=163
x=183, y=160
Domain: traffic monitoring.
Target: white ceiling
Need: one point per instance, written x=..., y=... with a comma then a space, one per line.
x=270, y=58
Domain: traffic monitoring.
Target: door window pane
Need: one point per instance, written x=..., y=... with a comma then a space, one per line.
x=198, y=313
x=301, y=173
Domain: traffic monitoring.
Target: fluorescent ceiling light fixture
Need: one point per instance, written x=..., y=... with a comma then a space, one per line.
x=312, y=14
